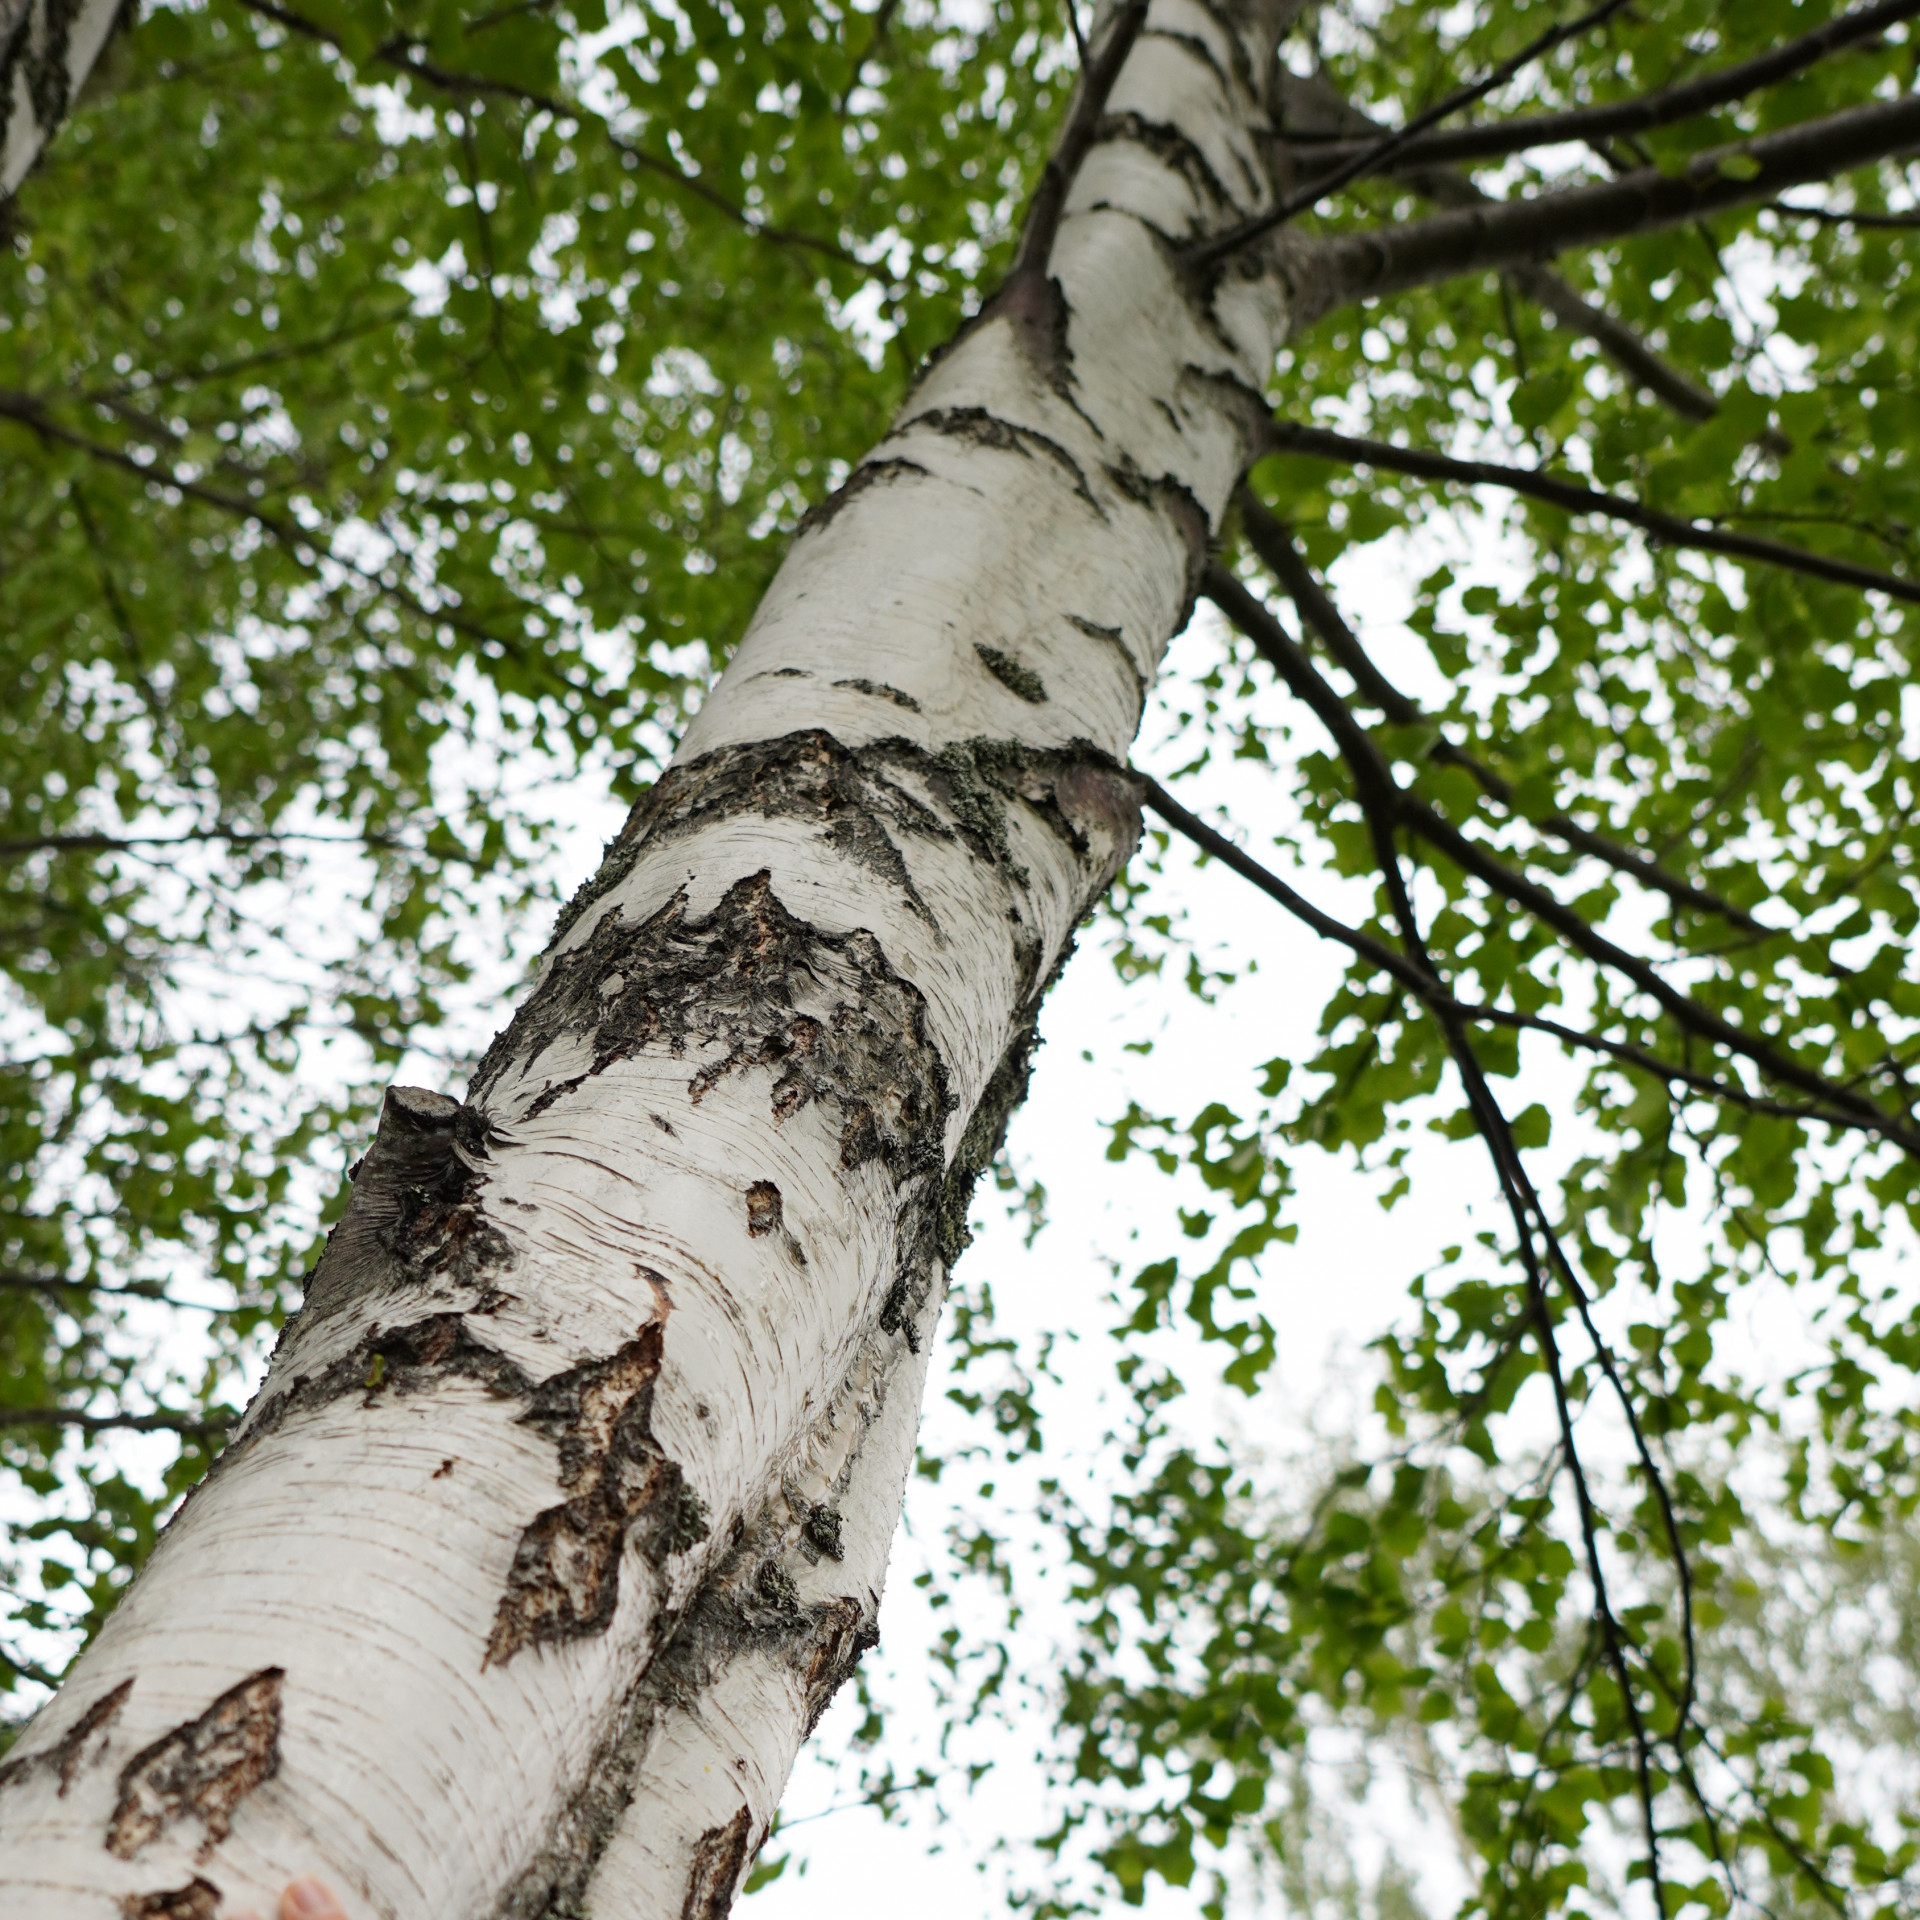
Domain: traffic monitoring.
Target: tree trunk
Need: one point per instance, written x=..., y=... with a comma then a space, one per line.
x=47, y=49
x=566, y=1503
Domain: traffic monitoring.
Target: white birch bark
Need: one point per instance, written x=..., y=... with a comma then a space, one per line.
x=566, y=1502
x=47, y=49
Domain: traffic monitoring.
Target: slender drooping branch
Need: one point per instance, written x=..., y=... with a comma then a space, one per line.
x=32, y=412
x=1665, y=529
x=1664, y=108
x=56, y=1287
x=193, y=1425
x=1273, y=542
x=1389, y=146
x=1370, y=263
x=1216, y=846
x=1310, y=103
x=1828, y=217
x=1291, y=663
x=403, y=55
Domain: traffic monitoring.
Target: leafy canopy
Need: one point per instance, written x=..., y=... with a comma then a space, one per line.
x=398, y=396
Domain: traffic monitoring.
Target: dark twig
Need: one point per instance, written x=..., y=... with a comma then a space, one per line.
x=1385, y=149
x=1720, y=88
x=133, y=1290
x=1286, y=657
x=1273, y=542
x=404, y=56
x=193, y=1425
x=1666, y=529
x=1369, y=263
x=1215, y=845
x=1827, y=217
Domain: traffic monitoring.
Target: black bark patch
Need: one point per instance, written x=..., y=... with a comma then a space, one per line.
x=826, y=1014
x=719, y=1860
x=202, y=1770
x=763, y=1209
x=879, y=690
x=1190, y=43
x=820, y=1536
x=1034, y=305
x=1017, y=679
x=197, y=1900
x=842, y=1633
x=1175, y=500
x=565, y=1577
x=1171, y=148
x=415, y=1210
x=857, y=482
x=807, y=775
x=394, y=1361
x=984, y=429
x=68, y=1754
x=1116, y=639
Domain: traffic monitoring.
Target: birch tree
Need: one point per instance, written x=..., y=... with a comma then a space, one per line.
x=565, y=1505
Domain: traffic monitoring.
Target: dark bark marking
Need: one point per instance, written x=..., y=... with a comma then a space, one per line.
x=1019, y=680
x=765, y=1215
x=565, y=1577
x=984, y=429
x=1189, y=43
x=842, y=1635
x=1176, y=501
x=746, y=1604
x=1118, y=641
x=719, y=1860
x=820, y=1535
x=201, y=1770
x=763, y=1209
x=442, y=1470
x=197, y=1900
x=869, y=474
x=1172, y=149
x=68, y=1753
x=415, y=1207
x=879, y=690
x=806, y=775
x=735, y=979
x=396, y=1361
x=66, y=1757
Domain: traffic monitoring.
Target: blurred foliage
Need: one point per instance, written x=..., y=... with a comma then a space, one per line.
x=397, y=399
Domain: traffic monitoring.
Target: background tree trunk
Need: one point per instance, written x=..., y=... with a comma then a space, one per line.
x=47, y=49
x=566, y=1503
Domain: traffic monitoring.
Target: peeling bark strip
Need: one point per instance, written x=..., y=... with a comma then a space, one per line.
x=719, y=1864
x=565, y=1578
x=415, y=1202
x=202, y=1770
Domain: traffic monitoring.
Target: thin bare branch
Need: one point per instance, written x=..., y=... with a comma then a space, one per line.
x=1691, y=98
x=1285, y=655
x=1666, y=529
x=404, y=56
x=1390, y=145
x=192, y=1425
x=1273, y=541
x=1370, y=263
